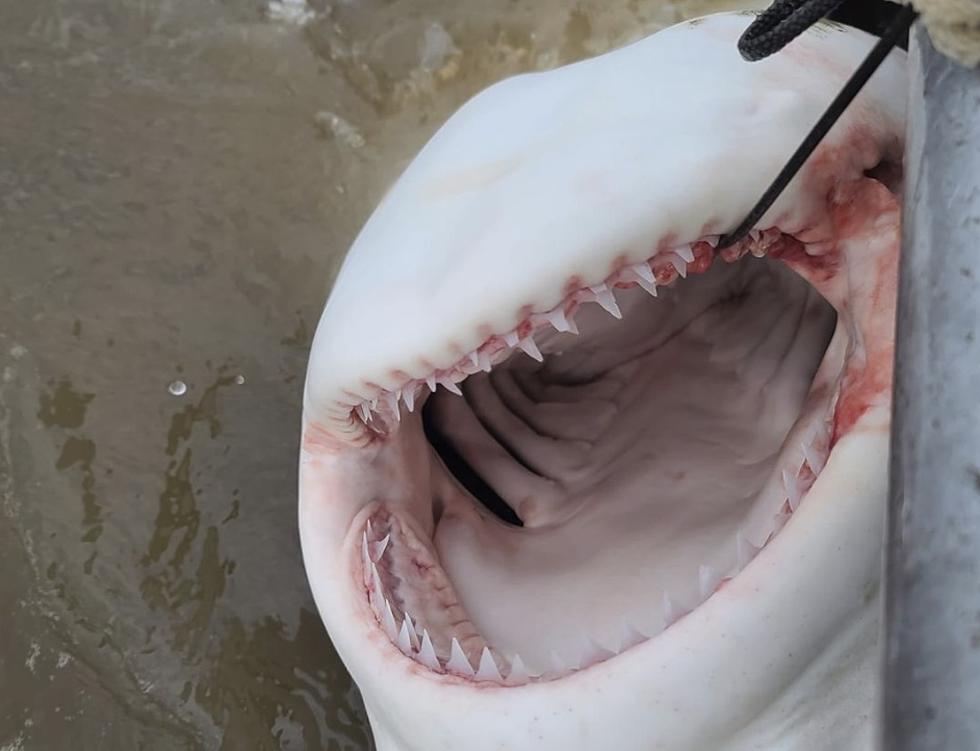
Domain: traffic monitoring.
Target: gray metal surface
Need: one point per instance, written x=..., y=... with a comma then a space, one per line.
x=932, y=661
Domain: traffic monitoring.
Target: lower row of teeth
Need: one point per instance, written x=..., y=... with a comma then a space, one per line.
x=414, y=640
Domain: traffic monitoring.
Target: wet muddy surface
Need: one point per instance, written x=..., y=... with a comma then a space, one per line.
x=179, y=180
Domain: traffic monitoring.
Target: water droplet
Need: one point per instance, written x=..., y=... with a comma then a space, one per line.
x=177, y=388
x=239, y=379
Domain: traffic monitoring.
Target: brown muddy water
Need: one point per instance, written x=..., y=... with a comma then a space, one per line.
x=179, y=180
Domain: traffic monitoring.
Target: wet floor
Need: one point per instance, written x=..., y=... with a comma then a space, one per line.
x=179, y=180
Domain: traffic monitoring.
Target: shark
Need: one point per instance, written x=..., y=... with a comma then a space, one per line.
x=575, y=475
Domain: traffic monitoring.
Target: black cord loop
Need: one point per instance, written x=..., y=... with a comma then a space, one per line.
x=780, y=24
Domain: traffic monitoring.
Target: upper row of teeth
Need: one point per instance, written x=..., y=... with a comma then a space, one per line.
x=415, y=642
x=522, y=337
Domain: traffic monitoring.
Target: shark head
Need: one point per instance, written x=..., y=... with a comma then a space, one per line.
x=574, y=477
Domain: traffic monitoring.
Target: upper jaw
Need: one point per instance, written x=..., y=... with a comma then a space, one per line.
x=567, y=175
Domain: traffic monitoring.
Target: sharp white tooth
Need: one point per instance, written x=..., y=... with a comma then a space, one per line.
x=378, y=548
x=558, y=665
x=605, y=297
x=707, y=581
x=592, y=652
x=629, y=636
x=685, y=252
x=712, y=240
x=558, y=320
x=745, y=551
x=671, y=612
x=678, y=263
x=487, y=671
x=813, y=457
x=643, y=271
x=413, y=635
x=364, y=412
x=377, y=591
x=485, y=363
x=427, y=654
x=511, y=338
x=530, y=348
x=518, y=671
x=404, y=639
x=646, y=280
x=792, y=489
x=458, y=662
x=474, y=357
x=388, y=621
x=430, y=381
x=366, y=574
x=409, y=396
x=450, y=386
x=370, y=530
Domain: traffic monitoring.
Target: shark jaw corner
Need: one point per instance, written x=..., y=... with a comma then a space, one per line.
x=574, y=478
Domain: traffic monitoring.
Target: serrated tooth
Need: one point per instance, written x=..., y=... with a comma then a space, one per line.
x=643, y=271
x=430, y=381
x=487, y=671
x=813, y=457
x=404, y=639
x=671, y=612
x=427, y=654
x=474, y=358
x=630, y=636
x=643, y=275
x=458, y=662
x=558, y=665
x=792, y=488
x=518, y=671
x=511, y=338
x=593, y=652
x=378, y=548
x=745, y=551
x=678, y=263
x=376, y=595
x=413, y=634
x=388, y=621
x=685, y=253
x=365, y=561
x=557, y=319
x=712, y=240
x=364, y=412
x=409, y=396
x=485, y=364
x=450, y=386
x=528, y=346
x=707, y=581
x=370, y=530
x=605, y=297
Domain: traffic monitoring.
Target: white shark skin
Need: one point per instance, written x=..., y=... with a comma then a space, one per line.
x=539, y=179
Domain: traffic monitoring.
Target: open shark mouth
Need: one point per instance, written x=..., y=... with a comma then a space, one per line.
x=688, y=433
x=552, y=431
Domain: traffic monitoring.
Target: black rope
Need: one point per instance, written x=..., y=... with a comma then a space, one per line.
x=895, y=31
x=780, y=24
